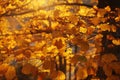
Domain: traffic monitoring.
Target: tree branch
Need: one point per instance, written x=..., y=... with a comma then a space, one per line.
x=42, y=8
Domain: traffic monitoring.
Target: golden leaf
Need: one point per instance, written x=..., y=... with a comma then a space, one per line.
x=107, y=8
x=60, y=76
x=73, y=19
x=116, y=41
x=108, y=58
x=11, y=73
x=95, y=20
x=83, y=30
x=104, y=27
x=81, y=73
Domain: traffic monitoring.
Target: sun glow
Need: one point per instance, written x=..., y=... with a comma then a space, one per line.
x=36, y=4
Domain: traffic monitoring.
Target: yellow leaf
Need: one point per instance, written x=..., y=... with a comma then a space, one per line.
x=116, y=42
x=83, y=30
x=107, y=8
x=104, y=27
x=11, y=73
x=60, y=75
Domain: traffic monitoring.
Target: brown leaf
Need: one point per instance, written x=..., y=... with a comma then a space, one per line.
x=77, y=58
x=113, y=77
x=47, y=64
x=108, y=58
x=115, y=66
x=107, y=69
x=84, y=46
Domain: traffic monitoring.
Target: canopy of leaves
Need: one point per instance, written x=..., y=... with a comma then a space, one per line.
x=58, y=40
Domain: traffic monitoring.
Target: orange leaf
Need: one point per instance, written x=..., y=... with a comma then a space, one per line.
x=27, y=68
x=11, y=73
x=3, y=68
x=81, y=73
x=60, y=76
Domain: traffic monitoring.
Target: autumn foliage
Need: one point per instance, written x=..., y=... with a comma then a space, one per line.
x=58, y=40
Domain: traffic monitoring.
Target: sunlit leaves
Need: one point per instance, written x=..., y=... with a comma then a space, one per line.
x=60, y=75
x=48, y=29
x=116, y=41
x=83, y=30
x=85, y=11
